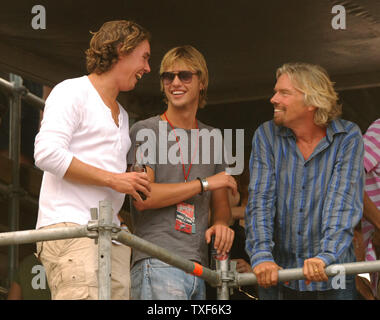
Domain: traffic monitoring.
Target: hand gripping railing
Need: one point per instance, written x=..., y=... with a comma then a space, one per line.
x=101, y=228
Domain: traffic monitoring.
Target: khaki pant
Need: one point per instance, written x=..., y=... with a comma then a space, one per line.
x=72, y=268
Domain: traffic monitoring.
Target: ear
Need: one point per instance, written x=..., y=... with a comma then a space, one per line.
x=119, y=53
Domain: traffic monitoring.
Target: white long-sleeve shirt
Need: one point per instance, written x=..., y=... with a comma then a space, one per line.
x=77, y=123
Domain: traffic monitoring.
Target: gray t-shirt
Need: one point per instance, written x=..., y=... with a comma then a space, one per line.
x=160, y=149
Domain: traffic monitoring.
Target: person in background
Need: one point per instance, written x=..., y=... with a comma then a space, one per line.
x=371, y=213
x=30, y=281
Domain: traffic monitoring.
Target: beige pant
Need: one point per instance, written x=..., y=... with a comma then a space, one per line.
x=72, y=268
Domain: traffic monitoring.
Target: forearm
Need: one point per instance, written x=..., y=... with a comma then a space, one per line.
x=370, y=211
x=238, y=212
x=259, y=233
x=337, y=233
x=83, y=173
x=125, y=182
x=343, y=204
x=165, y=194
x=221, y=208
x=168, y=194
x=259, y=219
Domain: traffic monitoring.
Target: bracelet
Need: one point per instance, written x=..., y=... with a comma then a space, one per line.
x=204, y=184
x=200, y=180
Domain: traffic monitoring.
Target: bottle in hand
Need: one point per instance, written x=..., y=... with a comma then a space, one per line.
x=138, y=165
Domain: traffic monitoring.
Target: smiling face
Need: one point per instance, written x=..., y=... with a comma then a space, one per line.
x=289, y=104
x=131, y=67
x=180, y=94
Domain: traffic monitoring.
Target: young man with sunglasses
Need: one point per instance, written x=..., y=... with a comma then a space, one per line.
x=82, y=147
x=175, y=216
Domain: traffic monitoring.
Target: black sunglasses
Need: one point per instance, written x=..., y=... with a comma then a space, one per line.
x=184, y=76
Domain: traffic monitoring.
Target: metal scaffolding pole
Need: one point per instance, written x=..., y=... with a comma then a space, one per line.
x=14, y=155
x=16, y=92
x=243, y=279
x=104, y=249
x=27, y=96
x=223, y=291
x=165, y=255
x=31, y=236
x=224, y=278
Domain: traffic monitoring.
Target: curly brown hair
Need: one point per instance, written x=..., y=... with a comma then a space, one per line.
x=113, y=38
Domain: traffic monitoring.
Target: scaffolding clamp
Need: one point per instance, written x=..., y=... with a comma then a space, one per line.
x=20, y=91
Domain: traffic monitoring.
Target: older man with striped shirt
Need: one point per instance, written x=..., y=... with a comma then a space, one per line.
x=306, y=188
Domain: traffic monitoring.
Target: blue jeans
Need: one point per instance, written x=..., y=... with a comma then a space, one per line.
x=281, y=292
x=152, y=279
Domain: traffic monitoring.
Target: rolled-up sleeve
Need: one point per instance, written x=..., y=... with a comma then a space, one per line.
x=260, y=208
x=52, y=144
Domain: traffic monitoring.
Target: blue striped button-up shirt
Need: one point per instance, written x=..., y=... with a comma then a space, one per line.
x=299, y=209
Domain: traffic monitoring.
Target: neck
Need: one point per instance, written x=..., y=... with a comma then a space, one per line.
x=181, y=118
x=309, y=134
x=105, y=87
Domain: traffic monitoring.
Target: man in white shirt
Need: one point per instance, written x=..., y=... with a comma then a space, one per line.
x=82, y=147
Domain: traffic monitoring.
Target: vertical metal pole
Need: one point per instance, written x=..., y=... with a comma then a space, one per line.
x=105, y=247
x=14, y=155
x=223, y=292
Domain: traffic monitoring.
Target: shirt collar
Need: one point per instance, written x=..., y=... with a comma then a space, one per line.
x=333, y=128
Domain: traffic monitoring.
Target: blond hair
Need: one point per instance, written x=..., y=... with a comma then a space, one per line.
x=114, y=38
x=194, y=60
x=314, y=82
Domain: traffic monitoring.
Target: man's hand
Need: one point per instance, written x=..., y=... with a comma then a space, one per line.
x=242, y=266
x=222, y=180
x=267, y=274
x=314, y=270
x=130, y=183
x=224, y=237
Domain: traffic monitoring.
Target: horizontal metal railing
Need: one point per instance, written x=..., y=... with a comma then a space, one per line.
x=224, y=278
x=27, y=96
x=243, y=279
